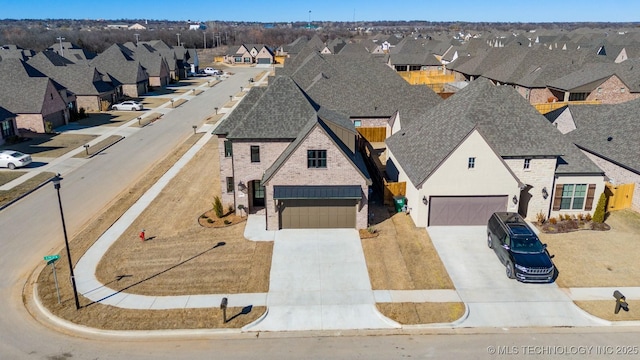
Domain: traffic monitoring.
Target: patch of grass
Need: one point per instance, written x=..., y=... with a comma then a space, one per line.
x=402, y=257
x=104, y=316
x=9, y=195
x=604, y=309
x=422, y=313
x=52, y=145
x=607, y=258
x=99, y=146
x=8, y=176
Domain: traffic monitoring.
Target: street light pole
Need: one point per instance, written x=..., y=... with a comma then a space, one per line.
x=56, y=184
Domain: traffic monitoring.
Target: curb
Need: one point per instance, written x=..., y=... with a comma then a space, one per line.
x=105, y=148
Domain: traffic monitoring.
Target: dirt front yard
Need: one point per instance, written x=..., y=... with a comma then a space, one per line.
x=402, y=257
x=172, y=226
x=600, y=259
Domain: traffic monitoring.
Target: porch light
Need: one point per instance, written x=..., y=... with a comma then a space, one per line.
x=425, y=200
x=545, y=193
x=241, y=186
x=514, y=199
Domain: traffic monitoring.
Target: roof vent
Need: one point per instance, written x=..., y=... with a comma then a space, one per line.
x=609, y=138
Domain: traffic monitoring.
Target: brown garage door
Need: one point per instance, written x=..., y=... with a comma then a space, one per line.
x=318, y=214
x=464, y=210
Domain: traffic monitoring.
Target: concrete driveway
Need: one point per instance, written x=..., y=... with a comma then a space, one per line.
x=493, y=299
x=319, y=281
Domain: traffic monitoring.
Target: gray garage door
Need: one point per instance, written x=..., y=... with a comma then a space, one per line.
x=264, y=61
x=318, y=214
x=464, y=210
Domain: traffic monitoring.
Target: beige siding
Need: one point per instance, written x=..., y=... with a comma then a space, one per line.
x=597, y=180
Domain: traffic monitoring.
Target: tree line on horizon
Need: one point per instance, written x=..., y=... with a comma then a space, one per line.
x=92, y=35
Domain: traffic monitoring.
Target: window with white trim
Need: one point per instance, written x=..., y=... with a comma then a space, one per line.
x=573, y=196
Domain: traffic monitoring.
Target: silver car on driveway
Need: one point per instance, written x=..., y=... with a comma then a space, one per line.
x=14, y=159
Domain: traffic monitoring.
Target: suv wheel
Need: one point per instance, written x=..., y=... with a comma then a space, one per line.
x=489, y=241
x=510, y=271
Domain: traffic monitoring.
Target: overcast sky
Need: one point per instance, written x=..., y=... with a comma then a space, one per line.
x=331, y=10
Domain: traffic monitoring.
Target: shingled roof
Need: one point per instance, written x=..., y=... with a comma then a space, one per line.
x=79, y=79
x=508, y=123
x=609, y=131
x=279, y=112
x=358, y=86
x=24, y=87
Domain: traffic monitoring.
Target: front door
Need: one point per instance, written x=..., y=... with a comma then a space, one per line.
x=258, y=194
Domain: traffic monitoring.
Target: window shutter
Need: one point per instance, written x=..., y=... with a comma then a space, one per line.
x=557, y=197
x=588, y=205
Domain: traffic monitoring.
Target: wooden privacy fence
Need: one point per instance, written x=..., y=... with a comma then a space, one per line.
x=392, y=189
x=619, y=196
x=373, y=134
x=434, y=79
x=544, y=108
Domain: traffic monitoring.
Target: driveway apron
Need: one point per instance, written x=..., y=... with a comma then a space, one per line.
x=319, y=281
x=494, y=300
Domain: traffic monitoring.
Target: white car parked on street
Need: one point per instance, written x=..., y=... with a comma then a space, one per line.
x=127, y=105
x=212, y=71
x=14, y=159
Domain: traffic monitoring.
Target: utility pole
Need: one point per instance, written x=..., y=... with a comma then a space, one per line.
x=204, y=34
x=60, y=38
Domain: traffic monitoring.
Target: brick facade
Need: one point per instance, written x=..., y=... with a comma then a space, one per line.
x=339, y=171
x=619, y=175
x=612, y=91
x=538, y=176
x=245, y=171
x=534, y=95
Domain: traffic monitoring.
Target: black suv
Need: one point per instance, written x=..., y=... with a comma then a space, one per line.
x=519, y=249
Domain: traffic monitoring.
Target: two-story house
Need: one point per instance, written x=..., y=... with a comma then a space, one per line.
x=296, y=163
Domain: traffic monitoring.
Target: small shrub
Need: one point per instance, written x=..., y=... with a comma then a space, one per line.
x=372, y=230
x=227, y=222
x=587, y=217
x=553, y=220
x=217, y=206
x=567, y=217
x=48, y=127
x=598, y=215
x=82, y=113
x=203, y=216
x=210, y=221
x=230, y=208
x=580, y=217
x=541, y=218
x=241, y=208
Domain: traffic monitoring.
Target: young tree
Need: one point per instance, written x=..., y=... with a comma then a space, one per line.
x=598, y=215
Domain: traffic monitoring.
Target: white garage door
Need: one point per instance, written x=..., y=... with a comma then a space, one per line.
x=464, y=210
